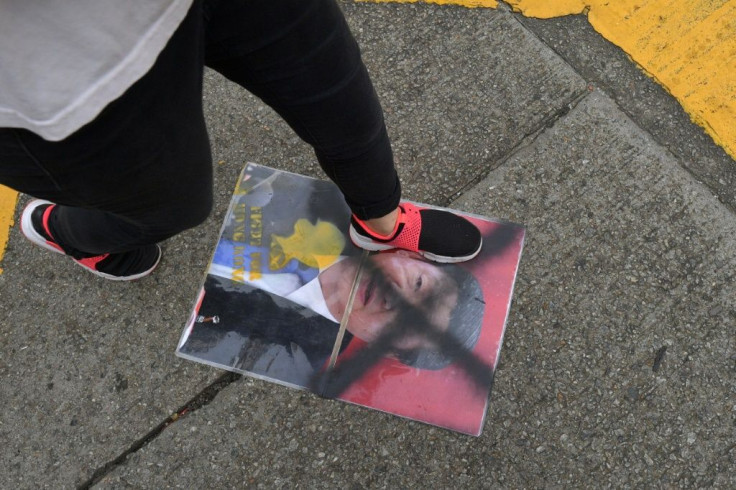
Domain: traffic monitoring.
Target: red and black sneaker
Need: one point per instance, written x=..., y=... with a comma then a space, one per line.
x=123, y=266
x=434, y=233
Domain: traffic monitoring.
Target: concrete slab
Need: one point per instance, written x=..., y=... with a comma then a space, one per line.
x=619, y=360
x=619, y=356
x=87, y=365
x=469, y=84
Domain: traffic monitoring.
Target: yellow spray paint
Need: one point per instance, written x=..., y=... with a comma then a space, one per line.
x=688, y=47
x=315, y=245
x=8, y=198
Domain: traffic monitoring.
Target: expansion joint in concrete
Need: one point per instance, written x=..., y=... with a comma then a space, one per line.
x=202, y=399
x=526, y=140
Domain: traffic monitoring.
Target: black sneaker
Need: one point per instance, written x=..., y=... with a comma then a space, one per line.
x=123, y=266
x=434, y=233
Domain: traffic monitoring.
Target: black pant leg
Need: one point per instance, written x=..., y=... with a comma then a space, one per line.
x=300, y=58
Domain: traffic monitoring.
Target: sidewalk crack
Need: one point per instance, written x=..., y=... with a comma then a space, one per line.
x=526, y=140
x=203, y=398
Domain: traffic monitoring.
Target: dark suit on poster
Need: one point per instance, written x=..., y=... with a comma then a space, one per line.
x=260, y=333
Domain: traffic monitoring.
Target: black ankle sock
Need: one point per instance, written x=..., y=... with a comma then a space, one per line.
x=70, y=251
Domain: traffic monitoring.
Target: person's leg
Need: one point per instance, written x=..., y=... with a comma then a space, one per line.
x=139, y=173
x=300, y=58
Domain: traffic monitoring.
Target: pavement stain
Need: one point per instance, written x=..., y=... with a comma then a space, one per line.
x=658, y=358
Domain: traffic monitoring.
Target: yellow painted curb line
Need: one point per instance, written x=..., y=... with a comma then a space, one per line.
x=463, y=3
x=8, y=199
x=687, y=47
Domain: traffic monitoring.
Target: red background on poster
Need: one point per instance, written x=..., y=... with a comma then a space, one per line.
x=447, y=397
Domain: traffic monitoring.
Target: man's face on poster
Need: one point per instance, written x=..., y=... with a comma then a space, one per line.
x=392, y=280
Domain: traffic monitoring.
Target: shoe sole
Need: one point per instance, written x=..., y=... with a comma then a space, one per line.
x=26, y=227
x=366, y=243
x=124, y=278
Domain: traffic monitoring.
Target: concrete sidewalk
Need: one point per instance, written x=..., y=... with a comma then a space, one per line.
x=619, y=363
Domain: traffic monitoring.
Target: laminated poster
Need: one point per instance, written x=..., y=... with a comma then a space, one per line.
x=287, y=298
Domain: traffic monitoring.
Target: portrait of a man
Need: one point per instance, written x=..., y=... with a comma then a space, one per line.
x=287, y=297
x=414, y=304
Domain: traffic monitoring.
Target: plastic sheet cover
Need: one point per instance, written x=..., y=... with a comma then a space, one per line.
x=287, y=298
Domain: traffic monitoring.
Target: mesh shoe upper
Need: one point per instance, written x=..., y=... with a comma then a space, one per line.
x=437, y=234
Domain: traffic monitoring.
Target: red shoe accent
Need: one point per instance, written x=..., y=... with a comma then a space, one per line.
x=141, y=263
x=91, y=262
x=405, y=234
x=399, y=219
x=45, y=223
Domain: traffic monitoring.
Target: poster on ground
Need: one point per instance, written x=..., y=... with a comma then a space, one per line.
x=289, y=299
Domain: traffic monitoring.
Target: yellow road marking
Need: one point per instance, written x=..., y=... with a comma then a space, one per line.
x=8, y=198
x=688, y=47
x=464, y=3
